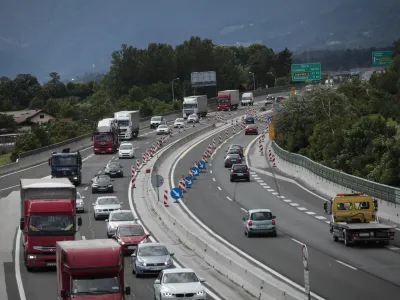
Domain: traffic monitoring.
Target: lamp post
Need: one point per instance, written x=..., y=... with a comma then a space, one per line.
x=254, y=81
x=172, y=88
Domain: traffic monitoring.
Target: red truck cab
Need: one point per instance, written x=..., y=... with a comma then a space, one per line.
x=90, y=270
x=48, y=215
x=105, y=138
x=224, y=102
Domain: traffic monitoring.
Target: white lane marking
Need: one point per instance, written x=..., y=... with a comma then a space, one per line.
x=327, y=222
x=219, y=188
x=211, y=171
x=243, y=209
x=266, y=187
x=263, y=184
x=10, y=187
x=320, y=217
x=215, y=235
x=281, y=197
x=393, y=248
x=256, y=177
x=228, y=198
x=271, y=190
x=83, y=237
x=294, y=204
x=275, y=193
x=214, y=179
x=86, y=188
x=147, y=143
x=18, y=277
x=287, y=200
x=98, y=172
x=302, y=208
x=298, y=242
x=310, y=213
x=346, y=265
x=398, y=229
x=260, y=181
x=253, y=173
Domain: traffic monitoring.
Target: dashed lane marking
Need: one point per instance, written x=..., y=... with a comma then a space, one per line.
x=228, y=198
x=346, y=265
x=214, y=179
x=311, y=213
x=294, y=204
x=219, y=188
x=302, y=208
x=243, y=209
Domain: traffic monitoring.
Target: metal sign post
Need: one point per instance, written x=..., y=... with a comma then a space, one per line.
x=306, y=272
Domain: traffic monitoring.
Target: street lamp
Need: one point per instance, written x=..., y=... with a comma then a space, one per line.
x=172, y=87
x=254, y=81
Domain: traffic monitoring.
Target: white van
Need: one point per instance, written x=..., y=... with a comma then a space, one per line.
x=247, y=99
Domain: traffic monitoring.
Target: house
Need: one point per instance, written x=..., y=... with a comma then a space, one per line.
x=25, y=119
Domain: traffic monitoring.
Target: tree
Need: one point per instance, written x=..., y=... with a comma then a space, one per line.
x=7, y=122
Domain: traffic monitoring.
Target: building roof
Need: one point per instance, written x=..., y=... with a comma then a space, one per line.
x=21, y=116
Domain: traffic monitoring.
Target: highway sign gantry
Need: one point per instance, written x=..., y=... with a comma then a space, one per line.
x=176, y=193
x=305, y=72
x=381, y=58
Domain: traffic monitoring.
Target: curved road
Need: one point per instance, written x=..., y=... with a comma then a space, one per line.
x=336, y=272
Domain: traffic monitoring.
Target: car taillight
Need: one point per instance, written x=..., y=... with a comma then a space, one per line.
x=355, y=234
x=250, y=223
x=390, y=233
x=273, y=222
x=232, y=172
x=228, y=159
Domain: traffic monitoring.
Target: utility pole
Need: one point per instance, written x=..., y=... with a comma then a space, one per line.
x=172, y=88
x=254, y=81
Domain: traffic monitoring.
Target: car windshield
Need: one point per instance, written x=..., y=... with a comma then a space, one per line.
x=249, y=118
x=113, y=166
x=234, y=156
x=64, y=160
x=78, y=196
x=193, y=116
x=189, y=105
x=107, y=201
x=123, y=123
x=252, y=126
x=179, y=120
x=261, y=216
x=125, y=147
x=41, y=223
x=246, y=98
x=153, y=251
x=131, y=231
x=234, y=150
x=163, y=126
x=102, y=138
x=184, y=277
x=122, y=216
x=223, y=100
x=89, y=286
x=240, y=169
x=156, y=118
x=103, y=178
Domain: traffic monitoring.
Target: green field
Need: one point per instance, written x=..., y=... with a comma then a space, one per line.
x=4, y=159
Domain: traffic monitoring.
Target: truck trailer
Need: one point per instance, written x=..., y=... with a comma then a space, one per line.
x=195, y=105
x=105, y=137
x=354, y=220
x=48, y=215
x=128, y=124
x=66, y=165
x=90, y=269
x=228, y=100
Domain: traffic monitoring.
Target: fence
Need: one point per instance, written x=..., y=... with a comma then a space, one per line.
x=380, y=191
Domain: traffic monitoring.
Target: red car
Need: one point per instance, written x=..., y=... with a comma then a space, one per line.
x=129, y=236
x=251, y=129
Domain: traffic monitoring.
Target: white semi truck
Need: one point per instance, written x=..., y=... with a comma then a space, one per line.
x=128, y=123
x=195, y=105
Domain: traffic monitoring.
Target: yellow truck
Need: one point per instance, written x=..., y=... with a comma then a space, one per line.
x=354, y=220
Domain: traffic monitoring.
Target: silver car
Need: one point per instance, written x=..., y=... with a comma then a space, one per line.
x=162, y=129
x=151, y=258
x=105, y=205
x=80, y=205
x=117, y=218
x=259, y=222
x=193, y=118
x=179, y=123
x=176, y=284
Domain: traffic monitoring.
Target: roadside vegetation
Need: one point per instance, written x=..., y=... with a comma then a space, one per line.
x=354, y=129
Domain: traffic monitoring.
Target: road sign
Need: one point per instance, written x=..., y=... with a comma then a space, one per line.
x=306, y=271
x=157, y=181
x=381, y=58
x=199, y=79
x=304, y=72
x=188, y=181
x=201, y=164
x=195, y=171
x=176, y=193
x=269, y=119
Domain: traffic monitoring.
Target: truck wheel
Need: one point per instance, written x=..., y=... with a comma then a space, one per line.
x=346, y=242
x=335, y=238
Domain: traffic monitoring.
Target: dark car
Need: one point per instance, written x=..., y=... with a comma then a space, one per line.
x=102, y=183
x=232, y=159
x=114, y=169
x=236, y=146
x=240, y=172
x=270, y=97
x=251, y=129
x=235, y=151
x=249, y=119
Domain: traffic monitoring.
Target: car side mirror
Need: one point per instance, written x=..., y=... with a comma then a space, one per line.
x=157, y=281
x=93, y=204
x=82, y=197
x=121, y=203
x=91, y=180
x=243, y=218
x=63, y=294
x=127, y=290
x=104, y=167
x=106, y=220
x=171, y=254
x=133, y=255
x=114, y=237
x=326, y=208
x=202, y=280
x=118, y=149
x=147, y=235
x=21, y=224
x=224, y=156
x=376, y=204
x=79, y=221
x=273, y=217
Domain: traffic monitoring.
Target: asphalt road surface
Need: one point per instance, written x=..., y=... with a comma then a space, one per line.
x=336, y=272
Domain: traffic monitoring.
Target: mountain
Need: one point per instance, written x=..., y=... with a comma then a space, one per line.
x=73, y=37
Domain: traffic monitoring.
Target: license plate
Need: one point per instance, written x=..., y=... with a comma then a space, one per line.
x=364, y=234
x=51, y=264
x=239, y=174
x=233, y=160
x=155, y=268
x=131, y=247
x=262, y=226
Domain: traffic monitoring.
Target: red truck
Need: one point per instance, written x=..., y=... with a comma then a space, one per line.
x=90, y=269
x=105, y=138
x=228, y=100
x=48, y=215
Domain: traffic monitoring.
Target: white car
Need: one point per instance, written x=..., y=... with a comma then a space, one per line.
x=179, y=123
x=173, y=283
x=193, y=118
x=105, y=205
x=80, y=205
x=162, y=129
x=126, y=150
x=119, y=217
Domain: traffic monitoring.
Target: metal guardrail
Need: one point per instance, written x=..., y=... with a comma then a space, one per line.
x=377, y=190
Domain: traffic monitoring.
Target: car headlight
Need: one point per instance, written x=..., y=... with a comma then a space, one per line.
x=167, y=294
x=31, y=256
x=168, y=262
x=141, y=262
x=112, y=226
x=200, y=293
x=94, y=185
x=98, y=210
x=110, y=185
x=73, y=173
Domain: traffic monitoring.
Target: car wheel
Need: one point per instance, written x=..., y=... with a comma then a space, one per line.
x=138, y=276
x=232, y=180
x=245, y=133
x=274, y=234
x=248, y=179
x=248, y=234
x=96, y=218
x=93, y=191
x=112, y=190
x=122, y=174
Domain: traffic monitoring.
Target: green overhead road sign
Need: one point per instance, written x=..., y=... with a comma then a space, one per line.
x=381, y=58
x=305, y=72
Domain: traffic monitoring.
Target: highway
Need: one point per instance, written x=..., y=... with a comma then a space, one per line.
x=336, y=272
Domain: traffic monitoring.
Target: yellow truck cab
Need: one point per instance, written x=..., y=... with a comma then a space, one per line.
x=354, y=220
